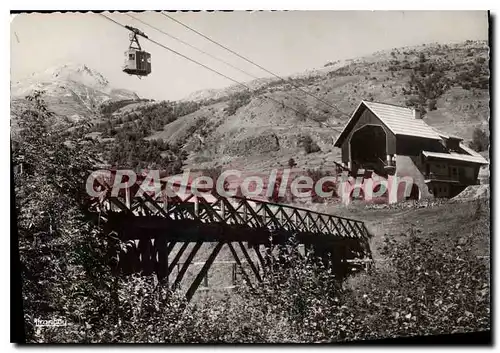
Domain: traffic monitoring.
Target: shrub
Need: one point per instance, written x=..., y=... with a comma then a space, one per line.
x=237, y=101
x=480, y=140
x=329, y=186
x=422, y=289
x=431, y=104
x=308, y=144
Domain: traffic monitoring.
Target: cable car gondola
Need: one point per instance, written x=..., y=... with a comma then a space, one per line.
x=137, y=61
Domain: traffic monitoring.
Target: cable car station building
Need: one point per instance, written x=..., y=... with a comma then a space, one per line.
x=391, y=140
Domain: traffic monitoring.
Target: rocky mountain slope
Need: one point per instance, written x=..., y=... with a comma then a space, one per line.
x=73, y=91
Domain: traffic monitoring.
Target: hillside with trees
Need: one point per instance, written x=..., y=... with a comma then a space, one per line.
x=448, y=83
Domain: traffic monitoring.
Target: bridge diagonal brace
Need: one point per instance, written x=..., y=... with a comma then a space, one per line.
x=237, y=259
x=176, y=212
x=203, y=272
x=272, y=216
x=136, y=204
x=163, y=251
x=362, y=230
x=349, y=227
x=176, y=258
x=325, y=225
x=319, y=225
x=347, y=233
x=146, y=250
x=159, y=257
x=314, y=222
x=354, y=231
x=259, y=256
x=255, y=216
x=186, y=264
x=250, y=262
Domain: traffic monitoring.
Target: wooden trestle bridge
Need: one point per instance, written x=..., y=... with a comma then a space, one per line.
x=148, y=230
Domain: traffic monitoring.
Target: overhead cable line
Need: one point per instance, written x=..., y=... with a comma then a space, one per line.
x=204, y=52
x=193, y=47
x=212, y=70
x=248, y=60
x=175, y=52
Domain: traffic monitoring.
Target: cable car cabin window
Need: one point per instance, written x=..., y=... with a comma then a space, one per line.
x=131, y=57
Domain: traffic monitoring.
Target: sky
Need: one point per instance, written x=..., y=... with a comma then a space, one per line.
x=282, y=42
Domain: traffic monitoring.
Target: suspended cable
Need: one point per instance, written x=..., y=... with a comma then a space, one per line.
x=193, y=47
x=176, y=52
x=203, y=52
x=214, y=71
x=249, y=61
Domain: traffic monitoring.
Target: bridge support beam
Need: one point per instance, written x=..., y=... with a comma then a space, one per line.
x=203, y=272
x=186, y=264
x=237, y=259
x=259, y=256
x=250, y=262
x=176, y=259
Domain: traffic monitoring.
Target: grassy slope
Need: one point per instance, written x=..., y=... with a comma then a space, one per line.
x=448, y=221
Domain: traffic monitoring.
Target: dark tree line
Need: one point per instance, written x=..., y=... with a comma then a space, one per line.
x=108, y=108
x=430, y=79
x=130, y=148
